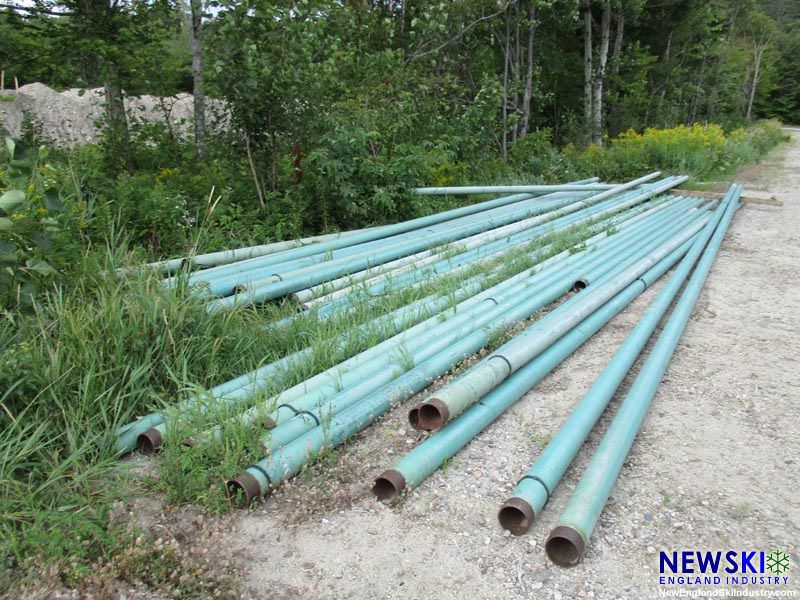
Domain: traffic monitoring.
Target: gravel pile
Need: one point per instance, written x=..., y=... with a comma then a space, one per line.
x=71, y=117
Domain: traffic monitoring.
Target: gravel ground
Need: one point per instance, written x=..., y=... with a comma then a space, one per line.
x=715, y=466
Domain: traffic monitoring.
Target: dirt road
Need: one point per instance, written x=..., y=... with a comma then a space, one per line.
x=715, y=468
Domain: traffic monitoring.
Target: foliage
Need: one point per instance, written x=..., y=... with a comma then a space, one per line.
x=700, y=151
x=39, y=235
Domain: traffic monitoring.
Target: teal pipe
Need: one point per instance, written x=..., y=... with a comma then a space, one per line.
x=151, y=429
x=507, y=189
x=340, y=300
x=476, y=383
x=479, y=250
x=567, y=541
x=227, y=280
x=533, y=490
x=259, y=478
x=313, y=408
x=299, y=279
x=416, y=466
x=278, y=284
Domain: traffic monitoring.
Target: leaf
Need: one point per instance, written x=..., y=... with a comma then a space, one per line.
x=41, y=267
x=52, y=200
x=10, y=146
x=11, y=199
x=42, y=241
x=6, y=224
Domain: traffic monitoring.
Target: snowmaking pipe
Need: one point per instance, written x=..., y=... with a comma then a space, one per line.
x=222, y=280
x=313, y=409
x=507, y=189
x=149, y=432
x=358, y=258
x=264, y=475
x=452, y=399
x=272, y=270
x=306, y=277
x=534, y=489
x=479, y=248
x=274, y=281
x=244, y=387
x=421, y=462
x=618, y=222
x=426, y=415
x=225, y=257
x=567, y=541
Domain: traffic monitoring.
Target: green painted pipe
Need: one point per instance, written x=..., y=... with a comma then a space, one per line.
x=478, y=247
x=416, y=466
x=534, y=489
x=567, y=541
x=149, y=432
x=280, y=280
x=266, y=474
x=226, y=280
x=316, y=274
x=303, y=411
x=507, y=189
x=454, y=398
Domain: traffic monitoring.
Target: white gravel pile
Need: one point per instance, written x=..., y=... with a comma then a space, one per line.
x=74, y=116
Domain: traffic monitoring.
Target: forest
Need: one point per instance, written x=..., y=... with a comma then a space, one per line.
x=350, y=103
x=310, y=116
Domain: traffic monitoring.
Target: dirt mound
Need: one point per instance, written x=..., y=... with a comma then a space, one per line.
x=74, y=116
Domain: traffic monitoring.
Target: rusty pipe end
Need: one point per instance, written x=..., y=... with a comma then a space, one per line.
x=149, y=441
x=433, y=414
x=565, y=546
x=516, y=515
x=389, y=486
x=244, y=489
x=580, y=284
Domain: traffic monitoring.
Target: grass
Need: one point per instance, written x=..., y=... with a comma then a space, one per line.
x=100, y=349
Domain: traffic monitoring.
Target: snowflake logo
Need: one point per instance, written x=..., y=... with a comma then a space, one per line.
x=777, y=562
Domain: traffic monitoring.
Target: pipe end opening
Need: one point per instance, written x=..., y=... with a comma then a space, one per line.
x=433, y=414
x=243, y=489
x=389, y=486
x=516, y=515
x=565, y=546
x=149, y=441
x=580, y=284
x=413, y=417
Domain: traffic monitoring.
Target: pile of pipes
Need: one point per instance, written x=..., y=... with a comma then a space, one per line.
x=639, y=234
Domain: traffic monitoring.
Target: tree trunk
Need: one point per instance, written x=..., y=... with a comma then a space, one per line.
x=506, y=66
x=198, y=74
x=586, y=9
x=517, y=70
x=599, y=76
x=757, y=56
x=618, y=37
x=528, y=93
x=116, y=120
